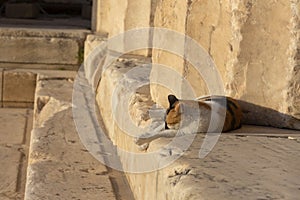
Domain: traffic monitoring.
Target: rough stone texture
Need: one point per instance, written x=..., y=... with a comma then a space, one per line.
x=110, y=78
x=38, y=66
x=174, y=19
x=21, y=83
x=16, y=125
x=119, y=13
x=258, y=66
x=250, y=44
x=1, y=89
x=100, y=16
x=91, y=42
x=138, y=15
x=241, y=37
x=213, y=33
x=12, y=125
x=18, y=88
x=252, y=162
x=293, y=95
x=43, y=32
x=59, y=165
x=114, y=18
x=39, y=50
x=238, y=167
x=9, y=162
x=18, y=105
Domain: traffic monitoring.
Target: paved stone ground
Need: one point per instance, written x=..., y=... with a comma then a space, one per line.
x=250, y=163
x=16, y=125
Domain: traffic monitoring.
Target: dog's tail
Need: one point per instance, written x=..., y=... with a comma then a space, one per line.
x=258, y=115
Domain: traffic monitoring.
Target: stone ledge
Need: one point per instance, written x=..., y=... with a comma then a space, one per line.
x=25, y=46
x=16, y=125
x=39, y=50
x=12, y=126
x=79, y=34
x=18, y=87
x=9, y=161
x=251, y=162
x=59, y=166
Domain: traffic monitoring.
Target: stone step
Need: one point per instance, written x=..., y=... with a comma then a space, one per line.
x=41, y=48
x=41, y=147
x=250, y=163
x=16, y=124
x=59, y=166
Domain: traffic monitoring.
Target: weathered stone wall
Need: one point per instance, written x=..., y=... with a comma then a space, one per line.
x=189, y=177
x=33, y=48
x=263, y=60
x=115, y=17
x=254, y=45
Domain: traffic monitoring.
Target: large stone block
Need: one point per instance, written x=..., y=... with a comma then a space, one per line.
x=91, y=42
x=59, y=165
x=169, y=14
x=262, y=71
x=138, y=15
x=109, y=81
x=242, y=42
x=18, y=87
x=115, y=18
x=213, y=34
x=100, y=16
x=9, y=165
x=293, y=94
x=39, y=50
x=117, y=15
x=12, y=125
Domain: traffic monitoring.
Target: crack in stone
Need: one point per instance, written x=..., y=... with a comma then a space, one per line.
x=178, y=174
x=185, y=62
x=213, y=27
x=56, y=78
x=41, y=102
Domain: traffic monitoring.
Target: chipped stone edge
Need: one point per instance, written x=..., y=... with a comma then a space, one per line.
x=41, y=102
x=157, y=184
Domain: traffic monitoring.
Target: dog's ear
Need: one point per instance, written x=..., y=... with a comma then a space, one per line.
x=172, y=100
x=177, y=107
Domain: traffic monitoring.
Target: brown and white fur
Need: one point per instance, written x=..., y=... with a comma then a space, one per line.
x=229, y=106
x=192, y=116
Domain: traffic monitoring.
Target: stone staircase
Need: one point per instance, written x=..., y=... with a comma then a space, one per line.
x=41, y=154
x=42, y=157
x=41, y=48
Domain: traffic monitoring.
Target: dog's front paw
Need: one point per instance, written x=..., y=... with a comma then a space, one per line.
x=140, y=141
x=143, y=139
x=143, y=147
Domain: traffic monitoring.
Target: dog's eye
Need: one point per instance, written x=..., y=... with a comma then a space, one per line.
x=166, y=126
x=168, y=110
